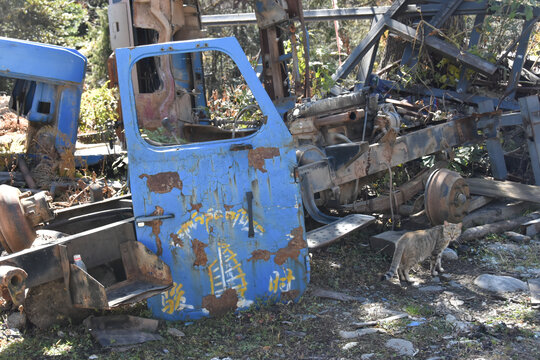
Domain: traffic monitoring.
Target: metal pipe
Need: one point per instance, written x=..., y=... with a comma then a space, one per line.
x=338, y=118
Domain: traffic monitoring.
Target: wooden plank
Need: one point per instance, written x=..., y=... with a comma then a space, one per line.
x=474, y=62
x=478, y=201
x=508, y=189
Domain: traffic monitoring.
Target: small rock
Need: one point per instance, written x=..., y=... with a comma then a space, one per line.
x=295, y=333
x=349, y=345
x=435, y=358
x=456, y=302
x=499, y=284
x=445, y=277
x=519, y=338
x=175, y=332
x=356, y=333
x=449, y=254
x=455, y=284
x=367, y=356
x=435, y=280
x=93, y=357
x=165, y=351
x=401, y=346
x=61, y=334
x=16, y=320
x=431, y=288
x=450, y=318
x=305, y=317
x=459, y=326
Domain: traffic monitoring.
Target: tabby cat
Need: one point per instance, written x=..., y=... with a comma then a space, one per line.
x=415, y=246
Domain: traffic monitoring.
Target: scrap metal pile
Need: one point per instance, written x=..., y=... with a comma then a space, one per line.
x=344, y=156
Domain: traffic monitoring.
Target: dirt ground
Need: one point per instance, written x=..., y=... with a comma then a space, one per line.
x=9, y=121
x=444, y=318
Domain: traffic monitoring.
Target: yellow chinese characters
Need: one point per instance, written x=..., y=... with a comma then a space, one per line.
x=173, y=299
x=239, y=217
x=226, y=272
x=280, y=283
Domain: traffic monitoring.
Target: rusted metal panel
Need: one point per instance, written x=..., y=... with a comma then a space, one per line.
x=163, y=182
x=257, y=156
x=213, y=259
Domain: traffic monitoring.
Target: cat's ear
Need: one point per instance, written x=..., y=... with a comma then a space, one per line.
x=446, y=223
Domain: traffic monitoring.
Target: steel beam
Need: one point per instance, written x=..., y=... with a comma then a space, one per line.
x=408, y=33
x=366, y=64
x=450, y=95
x=360, y=13
x=463, y=83
x=367, y=43
x=493, y=144
x=446, y=10
x=520, y=57
x=530, y=111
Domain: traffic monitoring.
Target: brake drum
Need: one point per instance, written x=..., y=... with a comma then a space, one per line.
x=446, y=197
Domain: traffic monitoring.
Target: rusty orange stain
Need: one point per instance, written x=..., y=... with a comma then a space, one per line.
x=260, y=255
x=195, y=207
x=293, y=248
x=257, y=156
x=220, y=306
x=156, y=229
x=176, y=239
x=228, y=207
x=200, y=255
x=163, y=183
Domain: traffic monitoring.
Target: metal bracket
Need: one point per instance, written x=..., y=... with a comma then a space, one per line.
x=311, y=207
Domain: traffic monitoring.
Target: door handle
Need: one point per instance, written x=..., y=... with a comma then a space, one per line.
x=141, y=220
x=251, y=229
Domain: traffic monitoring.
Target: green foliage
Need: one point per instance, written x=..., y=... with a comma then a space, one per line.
x=468, y=159
x=501, y=28
x=97, y=48
x=231, y=101
x=98, y=109
x=56, y=22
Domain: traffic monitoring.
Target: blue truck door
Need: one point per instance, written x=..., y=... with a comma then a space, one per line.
x=225, y=215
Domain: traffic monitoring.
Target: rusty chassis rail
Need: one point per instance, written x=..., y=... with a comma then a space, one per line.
x=380, y=156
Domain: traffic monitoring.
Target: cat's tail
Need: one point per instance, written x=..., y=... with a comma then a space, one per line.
x=396, y=260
